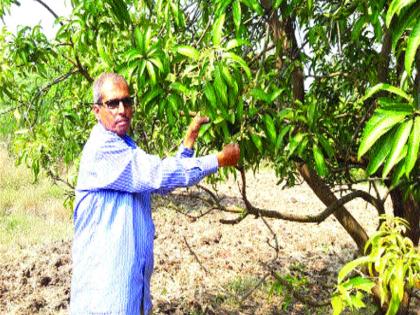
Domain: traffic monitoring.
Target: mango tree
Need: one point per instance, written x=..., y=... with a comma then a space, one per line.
x=327, y=92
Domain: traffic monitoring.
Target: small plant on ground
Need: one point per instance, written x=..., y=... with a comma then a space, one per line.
x=392, y=266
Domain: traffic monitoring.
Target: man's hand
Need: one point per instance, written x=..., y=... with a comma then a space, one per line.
x=193, y=129
x=229, y=156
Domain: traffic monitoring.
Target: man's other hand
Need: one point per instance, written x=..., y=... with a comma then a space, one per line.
x=229, y=156
x=193, y=129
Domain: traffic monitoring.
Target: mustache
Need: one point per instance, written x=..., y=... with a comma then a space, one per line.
x=125, y=119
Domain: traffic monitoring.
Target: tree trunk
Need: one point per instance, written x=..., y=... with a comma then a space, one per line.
x=283, y=33
x=409, y=210
x=324, y=193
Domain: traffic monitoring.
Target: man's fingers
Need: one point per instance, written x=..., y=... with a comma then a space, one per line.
x=201, y=119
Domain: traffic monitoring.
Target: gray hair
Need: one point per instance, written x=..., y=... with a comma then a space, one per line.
x=104, y=77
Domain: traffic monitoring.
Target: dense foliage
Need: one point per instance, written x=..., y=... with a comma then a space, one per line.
x=329, y=90
x=393, y=263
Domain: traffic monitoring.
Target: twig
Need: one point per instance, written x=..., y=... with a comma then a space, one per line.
x=262, y=280
x=56, y=178
x=12, y=109
x=195, y=256
x=202, y=34
x=49, y=10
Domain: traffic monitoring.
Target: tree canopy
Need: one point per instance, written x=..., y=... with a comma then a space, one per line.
x=324, y=91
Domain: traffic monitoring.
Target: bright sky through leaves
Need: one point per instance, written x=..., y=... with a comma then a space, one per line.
x=31, y=12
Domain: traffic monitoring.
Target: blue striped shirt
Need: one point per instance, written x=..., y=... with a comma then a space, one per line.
x=113, y=227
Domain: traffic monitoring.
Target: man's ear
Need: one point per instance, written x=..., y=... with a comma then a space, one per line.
x=96, y=110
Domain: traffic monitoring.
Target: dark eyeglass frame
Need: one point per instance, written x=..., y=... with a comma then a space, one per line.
x=113, y=104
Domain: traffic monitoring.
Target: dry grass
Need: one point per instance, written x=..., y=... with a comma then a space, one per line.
x=30, y=212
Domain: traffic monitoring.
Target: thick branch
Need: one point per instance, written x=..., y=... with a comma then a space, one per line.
x=320, y=217
x=385, y=57
x=325, y=194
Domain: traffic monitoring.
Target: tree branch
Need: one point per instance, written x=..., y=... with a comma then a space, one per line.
x=49, y=10
x=320, y=217
x=195, y=256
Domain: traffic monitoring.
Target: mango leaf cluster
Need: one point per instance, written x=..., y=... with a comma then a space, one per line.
x=220, y=59
x=393, y=263
x=392, y=134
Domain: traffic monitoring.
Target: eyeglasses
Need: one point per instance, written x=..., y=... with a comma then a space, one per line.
x=115, y=103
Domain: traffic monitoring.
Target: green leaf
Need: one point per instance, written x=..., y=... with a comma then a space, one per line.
x=220, y=86
x=141, y=67
x=157, y=63
x=371, y=136
x=319, y=159
x=275, y=94
x=233, y=43
x=311, y=114
x=356, y=300
x=400, y=140
x=240, y=110
x=257, y=141
x=326, y=146
x=236, y=11
x=218, y=30
x=362, y=283
x=210, y=95
x=254, y=5
x=138, y=35
x=413, y=147
x=398, y=173
x=285, y=113
x=280, y=137
x=175, y=102
x=270, y=128
x=260, y=95
x=294, y=142
x=148, y=97
x=102, y=52
x=350, y=266
x=277, y=3
x=188, y=51
x=412, y=45
x=378, y=157
x=395, y=8
x=337, y=304
x=229, y=78
x=180, y=87
x=386, y=87
x=404, y=22
x=357, y=28
x=393, y=307
x=147, y=38
x=151, y=71
x=239, y=60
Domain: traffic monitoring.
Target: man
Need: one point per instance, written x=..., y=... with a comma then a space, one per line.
x=114, y=232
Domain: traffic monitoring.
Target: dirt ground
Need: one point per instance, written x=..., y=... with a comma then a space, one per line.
x=205, y=267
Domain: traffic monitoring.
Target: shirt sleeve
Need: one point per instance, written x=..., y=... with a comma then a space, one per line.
x=117, y=166
x=184, y=152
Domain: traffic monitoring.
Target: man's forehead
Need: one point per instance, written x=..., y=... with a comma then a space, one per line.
x=112, y=85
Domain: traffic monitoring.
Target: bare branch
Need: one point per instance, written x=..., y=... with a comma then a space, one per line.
x=195, y=256
x=56, y=178
x=321, y=216
x=262, y=280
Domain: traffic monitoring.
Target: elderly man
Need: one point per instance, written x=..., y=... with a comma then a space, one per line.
x=114, y=231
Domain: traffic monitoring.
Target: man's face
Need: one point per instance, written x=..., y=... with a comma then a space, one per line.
x=116, y=119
